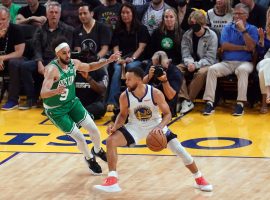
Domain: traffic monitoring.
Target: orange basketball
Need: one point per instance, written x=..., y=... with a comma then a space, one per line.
x=156, y=141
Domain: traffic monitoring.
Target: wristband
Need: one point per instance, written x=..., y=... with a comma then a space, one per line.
x=245, y=31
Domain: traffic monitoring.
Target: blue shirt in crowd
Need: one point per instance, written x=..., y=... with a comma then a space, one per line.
x=231, y=34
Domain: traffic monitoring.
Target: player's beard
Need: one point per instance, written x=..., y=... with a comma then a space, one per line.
x=132, y=88
x=64, y=61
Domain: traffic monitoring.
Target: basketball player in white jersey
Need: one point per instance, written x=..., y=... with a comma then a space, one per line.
x=141, y=104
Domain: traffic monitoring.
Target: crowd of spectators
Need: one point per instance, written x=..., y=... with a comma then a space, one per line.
x=184, y=46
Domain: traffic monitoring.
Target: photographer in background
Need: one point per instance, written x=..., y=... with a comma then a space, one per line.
x=165, y=76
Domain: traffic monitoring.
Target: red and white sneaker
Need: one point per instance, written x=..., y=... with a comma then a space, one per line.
x=110, y=185
x=203, y=185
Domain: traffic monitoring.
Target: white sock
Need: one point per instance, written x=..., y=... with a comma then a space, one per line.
x=240, y=103
x=96, y=149
x=113, y=173
x=198, y=174
x=211, y=103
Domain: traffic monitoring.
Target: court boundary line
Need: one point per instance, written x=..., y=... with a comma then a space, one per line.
x=8, y=158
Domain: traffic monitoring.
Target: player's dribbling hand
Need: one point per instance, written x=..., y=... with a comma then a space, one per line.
x=157, y=130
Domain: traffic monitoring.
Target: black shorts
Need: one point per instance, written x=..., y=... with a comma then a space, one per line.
x=131, y=142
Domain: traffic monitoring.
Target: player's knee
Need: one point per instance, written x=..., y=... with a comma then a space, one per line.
x=111, y=142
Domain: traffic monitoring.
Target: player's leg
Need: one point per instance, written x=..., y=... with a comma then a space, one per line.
x=120, y=138
x=67, y=125
x=80, y=115
x=175, y=146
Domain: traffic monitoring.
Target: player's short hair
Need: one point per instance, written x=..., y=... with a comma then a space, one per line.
x=90, y=8
x=58, y=41
x=137, y=71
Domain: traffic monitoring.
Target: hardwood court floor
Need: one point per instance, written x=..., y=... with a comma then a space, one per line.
x=38, y=162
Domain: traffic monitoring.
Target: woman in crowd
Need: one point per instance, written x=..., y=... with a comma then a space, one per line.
x=130, y=37
x=168, y=37
x=220, y=15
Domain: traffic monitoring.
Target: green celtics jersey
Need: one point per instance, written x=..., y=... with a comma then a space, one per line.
x=66, y=78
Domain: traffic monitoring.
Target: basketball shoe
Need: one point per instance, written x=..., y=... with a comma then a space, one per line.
x=94, y=167
x=203, y=185
x=101, y=154
x=110, y=185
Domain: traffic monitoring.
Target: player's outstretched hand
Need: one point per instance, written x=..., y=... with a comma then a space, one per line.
x=114, y=57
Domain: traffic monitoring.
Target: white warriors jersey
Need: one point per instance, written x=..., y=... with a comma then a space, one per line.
x=143, y=113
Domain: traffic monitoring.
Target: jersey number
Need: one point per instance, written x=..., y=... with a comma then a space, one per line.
x=64, y=95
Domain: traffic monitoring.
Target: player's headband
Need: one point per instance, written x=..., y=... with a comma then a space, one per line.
x=61, y=46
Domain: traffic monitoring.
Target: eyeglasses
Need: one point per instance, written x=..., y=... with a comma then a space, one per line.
x=234, y=14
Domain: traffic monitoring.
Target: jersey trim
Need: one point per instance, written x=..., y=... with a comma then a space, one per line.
x=140, y=100
x=152, y=96
x=127, y=97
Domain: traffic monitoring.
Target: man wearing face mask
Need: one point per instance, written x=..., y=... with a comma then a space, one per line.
x=238, y=40
x=199, y=49
x=165, y=76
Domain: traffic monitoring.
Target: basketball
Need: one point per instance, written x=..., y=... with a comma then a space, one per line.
x=156, y=141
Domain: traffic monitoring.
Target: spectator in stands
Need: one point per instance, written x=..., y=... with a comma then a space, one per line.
x=69, y=12
x=257, y=13
x=11, y=47
x=220, y=15
x=183, y=12
x=44, y=53
x=167, y=37
x=13, y=9
x=263, y=67
x=130, y=37
x=150, y=14
x=199, y=50
x=43, y=37
x=34, y=14
x=92, y=36
x=165, y=76
x=108, y=13
x=91, y=89
x=238, y=40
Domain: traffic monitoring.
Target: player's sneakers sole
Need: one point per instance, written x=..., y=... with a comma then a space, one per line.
x=110, y=185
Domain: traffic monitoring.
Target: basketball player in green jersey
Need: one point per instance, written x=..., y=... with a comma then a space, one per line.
x=62, y=106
